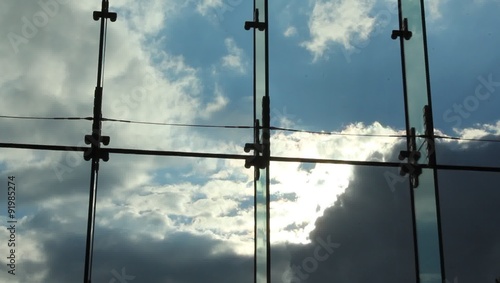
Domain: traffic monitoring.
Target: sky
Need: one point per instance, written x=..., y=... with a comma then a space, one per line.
x=333, y=68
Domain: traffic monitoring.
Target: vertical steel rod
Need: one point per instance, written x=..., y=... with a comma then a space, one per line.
x=95, y=139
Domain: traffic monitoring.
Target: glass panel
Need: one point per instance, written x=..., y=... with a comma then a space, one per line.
x=468, y=153
x=427, y=229
x=416, y=82
x=335, y=223
x=465, y=78
x=425, y=205
x=261, y=218
x=47, y=202
x=337, y=73
x=167, y=75
x=261, y=184
x=469, y=205
x=174, y=220
x=183, y=79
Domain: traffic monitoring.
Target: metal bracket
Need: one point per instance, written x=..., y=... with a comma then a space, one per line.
x=104, y=12
x=257, y=160
x=412, y=155
x=95, y=139
x=255, y=23
x=404, y=32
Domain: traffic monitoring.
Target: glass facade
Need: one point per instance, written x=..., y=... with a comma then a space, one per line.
x=261, y=97
x=252, y=141
x=420, y=141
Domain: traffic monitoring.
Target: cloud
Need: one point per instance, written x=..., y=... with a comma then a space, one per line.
x=204, y=5
x=434, y=9
x=147, y=17
x=350, y=24
x=219, y=102
x=371, y=226
x=290, y=31
x=368, y=228
x=338, y=22
x=189, y=208
x=191, y=220
x=234, y=59
x=479, y=131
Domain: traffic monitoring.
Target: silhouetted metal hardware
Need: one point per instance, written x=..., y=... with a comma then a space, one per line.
x=429, y=134
x=412, y=155
x=257, y=159
x=95, y=139
x=262, y=151
x=255, y=24
x=266, y=124
x=404, y=32
x=104, y=13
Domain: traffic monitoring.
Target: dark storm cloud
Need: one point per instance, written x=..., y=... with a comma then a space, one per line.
x=181, y=257
x=372, y=229
x=372, y=225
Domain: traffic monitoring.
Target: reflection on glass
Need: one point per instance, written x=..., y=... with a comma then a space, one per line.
x=416, y=80
x=469, y=205
x=417, y=97
x=333, y=223
x=261, y=227
x=338, y=91
x=44, y=199
x=261, y=188
x=427, y=229
x=163, y=224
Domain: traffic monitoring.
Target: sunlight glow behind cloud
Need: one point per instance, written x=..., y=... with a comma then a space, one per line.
x=195, y=209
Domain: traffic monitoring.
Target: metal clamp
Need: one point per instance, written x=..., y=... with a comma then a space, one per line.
x=95, y=140
x=404, y=32
x=104, y=13
x=255, y=23
x=257, y=160
x=412, y=155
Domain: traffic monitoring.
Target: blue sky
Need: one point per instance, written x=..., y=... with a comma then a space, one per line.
x=333, y=68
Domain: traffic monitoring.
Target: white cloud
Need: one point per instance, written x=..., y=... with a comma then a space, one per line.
x=290, y=31
x=218, y=103
x=147, y=16
x=143, y=199
x=433, y=9
x=351, y=23
x=478, y=131
x=338, y=22
x=204, y=5
x=235, y=58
